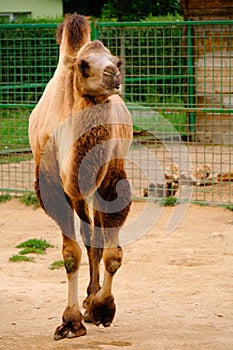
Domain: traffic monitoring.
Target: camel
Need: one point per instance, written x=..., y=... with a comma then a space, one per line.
x=80, y=132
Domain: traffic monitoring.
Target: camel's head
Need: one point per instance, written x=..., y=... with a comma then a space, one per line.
x=97, y=71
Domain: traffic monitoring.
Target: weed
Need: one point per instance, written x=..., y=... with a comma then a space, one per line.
x=31, y=250
x=201, y=203
x=30, y=199
x=31, y=246
x=168, y=202
x=57, y=265
x=229, y=206
x=35, y=244
x=5, y=198
x=16, y=258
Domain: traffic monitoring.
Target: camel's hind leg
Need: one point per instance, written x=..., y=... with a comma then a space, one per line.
x=95, y=252
x=101, y=308
x=58, y=206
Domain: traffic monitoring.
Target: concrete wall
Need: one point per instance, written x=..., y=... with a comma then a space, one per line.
x=41, y=8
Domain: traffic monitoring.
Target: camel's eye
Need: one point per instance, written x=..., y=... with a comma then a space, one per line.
x=109, y=74
x=110, y=71
x=84, y=68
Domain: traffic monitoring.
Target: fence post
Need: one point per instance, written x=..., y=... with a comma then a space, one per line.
x=191, y=88
x=94, y=30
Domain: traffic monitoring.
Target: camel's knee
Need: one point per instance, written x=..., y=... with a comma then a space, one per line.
x=112, y=259
x=71, y=255
x=71, y=263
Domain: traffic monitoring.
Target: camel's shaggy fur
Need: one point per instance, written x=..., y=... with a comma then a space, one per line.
x=79, y=133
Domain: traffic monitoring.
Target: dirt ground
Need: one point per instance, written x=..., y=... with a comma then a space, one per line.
x=174, y=291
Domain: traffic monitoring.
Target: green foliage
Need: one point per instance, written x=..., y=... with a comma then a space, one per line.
x=36, y=244
x=5, y=197
x=14, y=129
x=121, y=10
x=229, y=207
x=16, y=258
x=32, y=250
x=30, y=199
x=14, y=158
x=31, y=246
x=57, y=265
x=160, y=124
x=175, y=17
x=168, y=202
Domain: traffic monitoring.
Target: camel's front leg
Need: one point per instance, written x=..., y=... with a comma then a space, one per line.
x=72, y=317
x=102, y=307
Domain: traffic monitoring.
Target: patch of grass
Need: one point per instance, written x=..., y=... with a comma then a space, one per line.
x=30, y=199
x=161, y=124
x=31, y=246
x=168, y=202
x=5, y=197
x=16, y=258
x=15, y=158
x=14, y=129
x=229, y=207
x=35, y=245
x=201, y=203
x=32, y=250
x=57, y=265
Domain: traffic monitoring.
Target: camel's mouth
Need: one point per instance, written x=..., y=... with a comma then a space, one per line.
x=117, y=89
x=112, y=90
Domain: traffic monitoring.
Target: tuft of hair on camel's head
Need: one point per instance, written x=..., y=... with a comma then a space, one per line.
x=73, y=33
x=96, y=70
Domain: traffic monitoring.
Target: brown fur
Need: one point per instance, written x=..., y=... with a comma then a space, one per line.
x=79, y=133
x=73, y=33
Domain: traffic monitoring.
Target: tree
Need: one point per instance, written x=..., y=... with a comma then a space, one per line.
x=122, y=10
x=125, y=10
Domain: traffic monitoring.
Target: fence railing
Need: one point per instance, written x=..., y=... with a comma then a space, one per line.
x=178, y=85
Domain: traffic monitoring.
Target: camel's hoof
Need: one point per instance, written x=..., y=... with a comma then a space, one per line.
x=68, y=331
x=102, y=312
x=86, y=317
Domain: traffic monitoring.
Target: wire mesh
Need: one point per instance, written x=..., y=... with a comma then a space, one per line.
x=182, y=73
x=16, y=164
x=178, y=86
x=28, y=59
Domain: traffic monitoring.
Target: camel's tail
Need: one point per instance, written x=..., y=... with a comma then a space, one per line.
x=72, y=34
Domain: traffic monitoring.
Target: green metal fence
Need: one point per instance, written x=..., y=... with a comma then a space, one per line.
x=178, y=85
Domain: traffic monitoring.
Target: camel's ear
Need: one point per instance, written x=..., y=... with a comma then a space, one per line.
x=69, y=61
x=59, y=33
x=84, y=68
x=119, y=63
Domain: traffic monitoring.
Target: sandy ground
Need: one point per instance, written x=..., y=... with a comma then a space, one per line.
x=173, y=291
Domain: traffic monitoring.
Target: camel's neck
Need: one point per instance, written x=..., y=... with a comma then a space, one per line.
x=94, y=100
x=86, y=101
